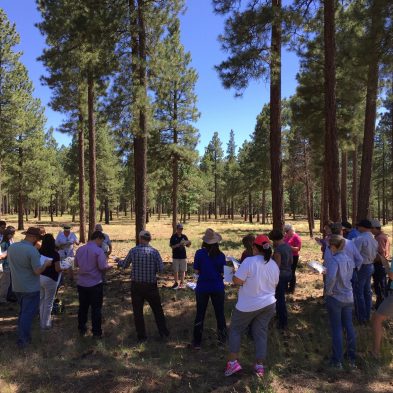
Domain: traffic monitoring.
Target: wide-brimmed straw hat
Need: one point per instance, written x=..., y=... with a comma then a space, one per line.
x=211, y=237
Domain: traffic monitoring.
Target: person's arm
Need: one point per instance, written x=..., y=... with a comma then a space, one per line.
x=39, y=269
x=76, y=264
x=110, y=247
x=330, y=276
x=357, y=258
x=277, y=258
x=127, y=260
x=240, y=277
x=75, y=241
x=297, y=244
x=159, y=263
x=197, y=262
x=102, y=262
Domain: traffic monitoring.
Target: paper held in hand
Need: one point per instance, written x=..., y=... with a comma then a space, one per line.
x=43, y=258
x=317, y=266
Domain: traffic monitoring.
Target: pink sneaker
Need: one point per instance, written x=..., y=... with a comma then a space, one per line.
x=232, y=368
x=259, y=370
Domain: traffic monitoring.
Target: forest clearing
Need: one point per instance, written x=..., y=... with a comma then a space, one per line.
x=61, y=361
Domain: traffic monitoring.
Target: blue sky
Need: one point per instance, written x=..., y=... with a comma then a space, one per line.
x=220, y=110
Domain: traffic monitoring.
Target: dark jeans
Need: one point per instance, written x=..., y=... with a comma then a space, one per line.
x=139, y=293
x=292, y=282
x=202, y=301
x=29, y=303
x=363, y=292
x=340, y=316
x=379, y=283
x=90, y=297
x=281, y=306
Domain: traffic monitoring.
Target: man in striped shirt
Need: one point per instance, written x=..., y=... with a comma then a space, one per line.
x=145, y=263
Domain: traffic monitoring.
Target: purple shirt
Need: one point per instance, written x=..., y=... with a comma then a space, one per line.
x=91, y=261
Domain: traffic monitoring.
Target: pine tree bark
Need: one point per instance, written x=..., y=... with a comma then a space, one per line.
x=344, y=177
x=331, y=137
x=92, y=155
x=81, y=178
x=275, y=119
x=363, y=210
x=354, y=184
x=175, y=183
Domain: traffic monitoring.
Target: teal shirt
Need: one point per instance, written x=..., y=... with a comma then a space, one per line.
x=23, y=259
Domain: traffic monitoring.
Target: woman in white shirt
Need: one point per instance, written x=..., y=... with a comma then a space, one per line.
x=258, y=277
x=65, y=241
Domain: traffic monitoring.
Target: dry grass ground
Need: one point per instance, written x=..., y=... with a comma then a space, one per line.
x=60, y=361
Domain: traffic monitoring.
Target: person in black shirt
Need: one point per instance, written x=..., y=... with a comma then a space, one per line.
x=178, y=243
x=49, y=279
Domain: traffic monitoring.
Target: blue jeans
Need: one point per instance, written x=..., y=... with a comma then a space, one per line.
x=281, y=307
x=340, y=316
x=363, y=293
x=29, y=303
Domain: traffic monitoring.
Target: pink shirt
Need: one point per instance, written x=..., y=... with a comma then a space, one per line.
x=294, y=241
x=91, y=261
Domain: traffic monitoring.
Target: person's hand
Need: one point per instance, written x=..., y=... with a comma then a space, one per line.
x=47, y=263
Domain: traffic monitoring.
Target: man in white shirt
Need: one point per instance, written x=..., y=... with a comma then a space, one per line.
x=65, y=241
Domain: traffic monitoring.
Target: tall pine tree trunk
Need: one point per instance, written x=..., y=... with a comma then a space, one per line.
x=331, y=137
x=20, y=185
x=363, y=210
x=106, y=210
x=175, y=183
x=92, y=155
x=275, y=119
x=344, y=177
x=354, y=184
x=81, y=178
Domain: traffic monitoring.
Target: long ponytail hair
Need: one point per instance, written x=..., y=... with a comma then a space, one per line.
x=213, y=250
x=265, y=249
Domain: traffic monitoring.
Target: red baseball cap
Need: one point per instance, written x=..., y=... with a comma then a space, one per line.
x=261, y=240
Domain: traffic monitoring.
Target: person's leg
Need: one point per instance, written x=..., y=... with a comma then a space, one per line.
x=334, y=308
x=29, y=303
x=175, y=268
x=359, y=294
x=239, y=324
x=96, y=295
x=346, y=316
x=218, y=299
x=384, y=312
x=154, y=300
x=46, y=303
x=84, y=303
x=202, y=300
x=292, y=281
x=182, y=270
x=42, y=298
x=4, y=284
x=138, y=299
x=355, y=285
x=379, y=283
x=260, y=326
x=281, y=307
x=368, y=294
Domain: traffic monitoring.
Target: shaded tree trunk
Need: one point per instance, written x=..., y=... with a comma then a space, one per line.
x=275, y=119
x=354, y=184
x=331, y=137
x=344, y=177
x=106, y=210
x=81, y=178
x=175, y=184
x=363, y=210
x=20, y=194
x=92, y=155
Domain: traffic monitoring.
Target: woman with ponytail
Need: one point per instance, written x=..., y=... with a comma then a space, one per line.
x=258, y=277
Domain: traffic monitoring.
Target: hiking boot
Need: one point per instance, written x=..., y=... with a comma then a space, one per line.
x=232, y=368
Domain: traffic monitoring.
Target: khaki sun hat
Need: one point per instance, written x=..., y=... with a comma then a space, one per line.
x=211, y=237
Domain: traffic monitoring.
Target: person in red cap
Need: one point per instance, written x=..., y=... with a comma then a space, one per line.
x=258, y=277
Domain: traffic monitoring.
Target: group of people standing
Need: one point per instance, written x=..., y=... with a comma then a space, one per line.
x=267, y=272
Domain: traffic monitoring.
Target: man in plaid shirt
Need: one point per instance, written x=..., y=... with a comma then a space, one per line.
x=146, y=263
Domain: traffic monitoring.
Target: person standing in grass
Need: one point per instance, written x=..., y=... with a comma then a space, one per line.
x=248, y=242
x=284, y=258
x=383, y=254
x=209, y=264
x=178, y=242
x=295, y=242
x=146, y=263
x=65, y=241
x=91, y=261
x=48, y=280
x=258, y=277
x=339, y=301
x=384, y=312
x=368, y=248
x=5, y=275
x=25, y=266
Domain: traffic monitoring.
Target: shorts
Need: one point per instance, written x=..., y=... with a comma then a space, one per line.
x=179, y=265
x=386, y=307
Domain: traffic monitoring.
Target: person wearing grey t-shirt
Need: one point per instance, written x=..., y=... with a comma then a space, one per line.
x=283, y=256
